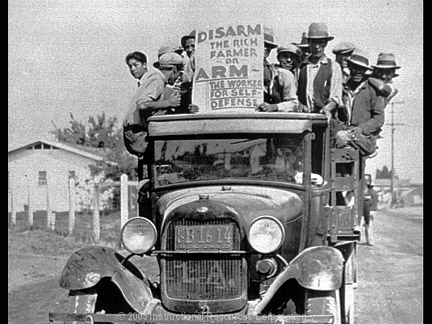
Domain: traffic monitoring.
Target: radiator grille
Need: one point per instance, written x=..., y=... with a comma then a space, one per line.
x=203, y=276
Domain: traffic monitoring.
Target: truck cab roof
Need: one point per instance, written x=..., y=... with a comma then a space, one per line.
x=233, y=123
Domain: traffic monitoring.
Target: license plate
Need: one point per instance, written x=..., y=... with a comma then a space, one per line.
x=206, y=237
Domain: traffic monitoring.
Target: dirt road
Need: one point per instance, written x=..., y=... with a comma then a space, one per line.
x=390, y=275
x=390, y=288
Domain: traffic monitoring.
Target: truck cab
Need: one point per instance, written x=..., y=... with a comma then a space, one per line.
x=250, y=215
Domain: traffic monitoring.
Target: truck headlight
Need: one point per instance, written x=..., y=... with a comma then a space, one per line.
x=138, y=235
x=266, y=234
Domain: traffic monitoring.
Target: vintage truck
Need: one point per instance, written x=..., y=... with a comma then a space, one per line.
x=253, y=218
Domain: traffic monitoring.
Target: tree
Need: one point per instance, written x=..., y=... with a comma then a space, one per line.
x=385, y=173
x=103, y=134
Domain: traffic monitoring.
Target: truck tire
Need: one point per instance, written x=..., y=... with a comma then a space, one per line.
x=323, y=303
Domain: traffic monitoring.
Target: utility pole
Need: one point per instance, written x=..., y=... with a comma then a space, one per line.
x=393, y=124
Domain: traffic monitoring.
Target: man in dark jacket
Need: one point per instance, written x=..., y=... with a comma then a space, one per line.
x=364, y=105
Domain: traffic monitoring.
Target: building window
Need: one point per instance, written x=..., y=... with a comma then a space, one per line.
x=42, y=181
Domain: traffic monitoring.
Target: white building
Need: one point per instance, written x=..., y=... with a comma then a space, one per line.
x=38, y=167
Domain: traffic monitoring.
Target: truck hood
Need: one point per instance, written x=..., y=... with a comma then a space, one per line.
x=247, y=201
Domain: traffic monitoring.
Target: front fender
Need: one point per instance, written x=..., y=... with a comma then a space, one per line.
x=316, y=268
x=87, y=266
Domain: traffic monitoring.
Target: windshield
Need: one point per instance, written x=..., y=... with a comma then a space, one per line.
x=271, y=157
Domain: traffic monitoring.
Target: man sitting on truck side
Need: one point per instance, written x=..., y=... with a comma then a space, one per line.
x=149, y=100
x=385, y=70
x=279, y=84
x=365, y=107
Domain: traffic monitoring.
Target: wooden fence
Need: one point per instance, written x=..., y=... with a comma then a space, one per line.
x=95, y=217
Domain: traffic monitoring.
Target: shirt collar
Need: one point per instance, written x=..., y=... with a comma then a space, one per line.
x=322, y=60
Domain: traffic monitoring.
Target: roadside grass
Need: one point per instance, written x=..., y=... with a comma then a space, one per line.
x=38, y=239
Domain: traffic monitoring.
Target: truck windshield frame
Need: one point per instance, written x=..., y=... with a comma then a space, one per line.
x=257, y=157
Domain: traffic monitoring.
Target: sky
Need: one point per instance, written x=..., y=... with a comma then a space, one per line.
x=68, y=56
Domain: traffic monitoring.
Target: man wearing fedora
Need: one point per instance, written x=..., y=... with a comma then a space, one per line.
x=364, y=105
x=385, y=70
x=279, y=84
x=304, y=47
x=320, y=80
x=342, y=52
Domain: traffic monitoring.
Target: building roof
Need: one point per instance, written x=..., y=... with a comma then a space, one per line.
x=89, y=152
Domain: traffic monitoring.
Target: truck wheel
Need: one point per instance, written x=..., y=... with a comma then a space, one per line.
x=323, y=303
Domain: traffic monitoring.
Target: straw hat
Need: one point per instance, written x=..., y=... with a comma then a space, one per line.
x=360, y=58
x=290, y=49
x=386, y=61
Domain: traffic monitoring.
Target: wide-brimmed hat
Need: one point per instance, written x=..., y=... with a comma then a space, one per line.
x=360, y=58
x=343, y=48
x=169, y=59
x=290, y=49
x=183, y=40
x=269, y=38
x=304, y=41
x=319, y=30
x=386, y=61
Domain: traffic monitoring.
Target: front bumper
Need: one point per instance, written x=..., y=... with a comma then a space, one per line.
x=185, y=318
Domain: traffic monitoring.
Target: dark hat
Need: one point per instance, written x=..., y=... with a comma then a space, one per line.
x=269, y=38
x=169, y=59
x=304, y=41
x=386, y=61
x=343, y=48
x=183, y=40
x=360, y=58
x=318, y=30
x=290, y=49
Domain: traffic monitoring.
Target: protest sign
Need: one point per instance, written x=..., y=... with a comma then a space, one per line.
x=229, y=67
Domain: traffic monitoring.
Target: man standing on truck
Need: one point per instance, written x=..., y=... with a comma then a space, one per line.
x=279, y=84
x=320, y=80
x=342, y=52
x=364, y=105
x=289, y=58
